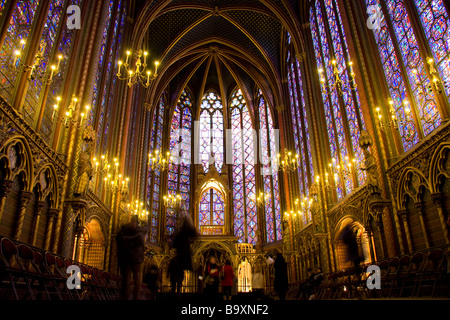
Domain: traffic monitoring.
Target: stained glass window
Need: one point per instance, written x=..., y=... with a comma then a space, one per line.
x=18, y=29
x=342, y=109
x=154, y=177
x=211, y=212
x=244, y=179
x=269, y=145
x=299, y=123
x=106, y=103
x=46, y=52
x=435, y=22
x=179, y=169
x=64, y=49
x=405, y=68
x=211, y=132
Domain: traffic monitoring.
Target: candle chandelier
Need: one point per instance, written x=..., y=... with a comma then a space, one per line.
x=261, y=199
x=157, y=161
x=395, y=122
x=288, y=161
x=137, y=208
x=136, y=73
x=339, y=83
x=172, y=200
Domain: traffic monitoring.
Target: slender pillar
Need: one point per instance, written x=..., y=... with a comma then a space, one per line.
x=379, y=222
x=52, y=215
x=404, y=217
x=24, y=199
x=5, y=188
x=369, y=233
x=36, y=218
x=35, y=41
x=420, y=208
x=438, y=201
x=5, y=19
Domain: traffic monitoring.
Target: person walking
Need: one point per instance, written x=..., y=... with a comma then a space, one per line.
x=130, y=253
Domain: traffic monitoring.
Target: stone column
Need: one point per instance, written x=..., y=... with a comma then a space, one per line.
x=52, y=215
x=420, y=209
x=5, y=188
x=24, y=199
x=36, y=218
x=438, y=201
x=379, y=222
x=404, y=217
x=369, y=233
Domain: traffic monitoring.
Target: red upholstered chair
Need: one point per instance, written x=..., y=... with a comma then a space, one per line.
x=8, y=267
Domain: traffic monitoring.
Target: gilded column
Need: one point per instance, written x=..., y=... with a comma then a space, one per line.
x=24, y=198
x=404, y=217
x=379, y=222
x=419, y=206
x=52, y=215
x=36, y=218
x=438, y=201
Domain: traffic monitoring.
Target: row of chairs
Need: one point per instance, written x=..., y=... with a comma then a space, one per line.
x=421, y=274
x=34, y=274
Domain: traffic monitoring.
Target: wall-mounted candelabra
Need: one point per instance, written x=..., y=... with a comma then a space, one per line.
x=109, y=173
x=435, y=80
x=137, y=73
x=261, y=199
x=338, y=82
x=172, y=200
x=68, y=116
x=53, y=69
x=288, y=162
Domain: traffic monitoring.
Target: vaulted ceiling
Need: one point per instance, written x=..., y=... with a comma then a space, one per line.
x=214, y=43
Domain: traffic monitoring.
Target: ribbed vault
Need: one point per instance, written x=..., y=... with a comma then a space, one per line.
x=220, y=44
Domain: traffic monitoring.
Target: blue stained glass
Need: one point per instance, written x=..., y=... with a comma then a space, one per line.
x=244, y=180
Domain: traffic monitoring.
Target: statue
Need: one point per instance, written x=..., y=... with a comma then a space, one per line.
x=85, y=169
x=370, y=166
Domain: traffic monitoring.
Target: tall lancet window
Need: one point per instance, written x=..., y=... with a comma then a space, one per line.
x=300, y=125
x=180, y=167
x=40, y=72
x=154, y=176
x=411, y=101
x=268, y=148
x=243, y=155
x=436, y=24
x=343, y=116
x=17, y=36
x=211, y=132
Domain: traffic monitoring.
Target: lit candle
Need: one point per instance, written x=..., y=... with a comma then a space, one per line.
x=145, y=58
x=156, y=67
x=128, y=55
x=120, y=65
x=53, y=68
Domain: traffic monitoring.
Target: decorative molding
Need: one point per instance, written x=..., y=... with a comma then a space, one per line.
x=11, y=123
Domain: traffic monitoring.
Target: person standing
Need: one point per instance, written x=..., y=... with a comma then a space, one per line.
x=176, y=275
x=212, y=279
x=227, y=279
x=130, y=253
x=280, y=283
x=258, y=285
